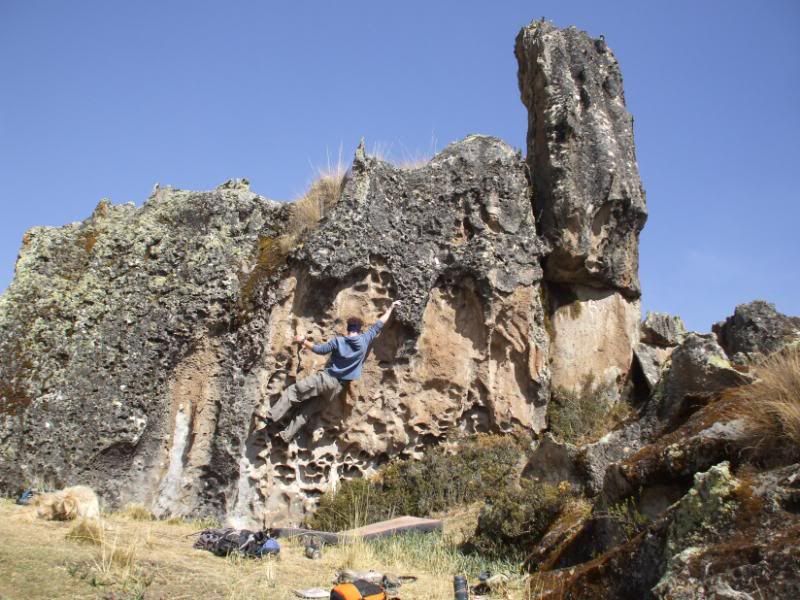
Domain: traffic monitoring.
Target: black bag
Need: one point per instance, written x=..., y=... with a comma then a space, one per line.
x=223, y=542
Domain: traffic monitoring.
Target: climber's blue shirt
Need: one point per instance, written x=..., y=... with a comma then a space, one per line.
x=348, y=353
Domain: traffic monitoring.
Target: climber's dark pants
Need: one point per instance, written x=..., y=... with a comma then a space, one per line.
x=320, y=384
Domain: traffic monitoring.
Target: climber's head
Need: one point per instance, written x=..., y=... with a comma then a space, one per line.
x=354, y=325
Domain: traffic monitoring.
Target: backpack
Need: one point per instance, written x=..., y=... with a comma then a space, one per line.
x=223, y=542
x=358, y=590
x=271, y=546
x=27, y=497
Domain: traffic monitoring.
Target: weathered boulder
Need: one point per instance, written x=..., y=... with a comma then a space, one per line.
x=756, y=329
x=670, y=461
x=553, y=461
x=651, y=361
x=596, y=458
x=729, y=538
x=727, y=535
x=663, y=330
x=588, y=198
x=119, y=327
x=698, y=369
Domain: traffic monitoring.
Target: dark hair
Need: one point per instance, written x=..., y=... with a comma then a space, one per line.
x=354, y=324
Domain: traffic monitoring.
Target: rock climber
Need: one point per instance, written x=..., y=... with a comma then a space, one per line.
x=347, y=357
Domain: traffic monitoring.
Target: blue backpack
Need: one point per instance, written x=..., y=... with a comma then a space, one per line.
x=270, y=546
x=26, y=497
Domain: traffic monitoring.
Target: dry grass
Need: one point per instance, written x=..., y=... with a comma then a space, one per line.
x=403, y=158
x=87, y=531
x=771, y=404
x=306, y=213
x=155, y=559
x=313, y=206
x=136, y=512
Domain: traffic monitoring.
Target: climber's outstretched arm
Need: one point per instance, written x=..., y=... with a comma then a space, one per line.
x=373, y=331
x=385, y=316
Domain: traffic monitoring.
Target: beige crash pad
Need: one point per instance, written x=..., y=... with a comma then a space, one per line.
x=394, y=526
x=388, y=528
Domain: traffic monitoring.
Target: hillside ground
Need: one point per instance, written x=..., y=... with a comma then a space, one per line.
x=145, y=559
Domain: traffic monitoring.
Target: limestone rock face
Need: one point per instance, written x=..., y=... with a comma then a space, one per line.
x=756, y=329
x=467, y=350
x=140, y=346
x=122, y=356
x=465, y=215
x=593, y=337
x=589, y=200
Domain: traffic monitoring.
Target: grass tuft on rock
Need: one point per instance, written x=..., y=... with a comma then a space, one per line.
x=307, y=211
x=584, y=415
x=771, y=404
x=312, y=207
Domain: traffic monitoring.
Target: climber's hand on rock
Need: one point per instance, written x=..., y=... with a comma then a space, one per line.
x=396, y=303
x=299, y=339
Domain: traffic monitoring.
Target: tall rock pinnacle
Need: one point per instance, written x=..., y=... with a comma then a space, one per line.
x=588, y=197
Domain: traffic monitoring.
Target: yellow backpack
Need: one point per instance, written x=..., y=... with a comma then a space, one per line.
x=358, y=590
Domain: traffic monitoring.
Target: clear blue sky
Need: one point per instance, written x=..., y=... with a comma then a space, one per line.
x=105, y=98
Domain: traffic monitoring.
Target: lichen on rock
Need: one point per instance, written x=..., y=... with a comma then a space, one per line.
x=708, y=503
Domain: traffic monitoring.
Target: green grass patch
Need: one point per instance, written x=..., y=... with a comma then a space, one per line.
x=438, y=554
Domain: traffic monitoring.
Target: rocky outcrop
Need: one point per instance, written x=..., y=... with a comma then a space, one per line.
x=467, y=350
x=755, y=330
x=589, y=200
x=662, y=330
x=651, y=360
x=122, y=356
x=735, y=538
x=698, y=369
x=726, y=537
x=660, y=334
x=140, y=348
x=553, y=461
x=681, y=518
